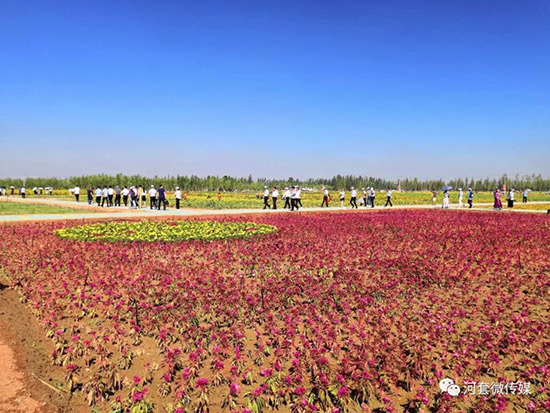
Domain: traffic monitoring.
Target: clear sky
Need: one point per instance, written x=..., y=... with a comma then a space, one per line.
x=433, y=89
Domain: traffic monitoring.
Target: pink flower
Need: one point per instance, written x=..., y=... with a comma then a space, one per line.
x=234, y=389
x=343, y=392
x=137, y=380
x=299, y=391
x=201, y=382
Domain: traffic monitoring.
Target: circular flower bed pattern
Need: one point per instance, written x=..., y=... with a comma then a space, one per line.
x=151, y=231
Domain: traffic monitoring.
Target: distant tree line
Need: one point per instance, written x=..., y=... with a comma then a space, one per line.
x=228, y=183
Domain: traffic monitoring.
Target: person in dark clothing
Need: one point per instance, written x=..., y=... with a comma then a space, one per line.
x=161, y=197
x=325, y=197
x=90, y=195
x=274, y=197
x=118, y=192
x=388, y=197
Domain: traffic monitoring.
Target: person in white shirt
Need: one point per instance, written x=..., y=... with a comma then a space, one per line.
x=125, y=193
x=286, y=197
x=372, y=196
x=274, y=196
x=342, y=198
x=98, y=193
x=266, y=198
x=299, y=197
x=23, y=191
x=388, y=197
x=177, y=194
x=105, y=196
x=293, y=199
x=353, y=200
x=153, y=197
x=460, y=197
x=110, y=194
x=325, y=197
x=76, y=192
x=446, y=199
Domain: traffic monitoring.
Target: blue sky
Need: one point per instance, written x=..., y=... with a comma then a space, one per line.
x=275, y=89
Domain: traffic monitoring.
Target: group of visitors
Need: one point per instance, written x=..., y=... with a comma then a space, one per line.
x=134, y=197
x=293, y=198
x=447, y=198
x=510, y=198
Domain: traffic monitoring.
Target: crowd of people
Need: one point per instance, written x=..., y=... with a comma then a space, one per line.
x=133, y=197
x=136, y=197
x=293, y=198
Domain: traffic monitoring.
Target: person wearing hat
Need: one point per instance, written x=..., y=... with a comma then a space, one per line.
x=178, y=197
x=153, y=197
x=286, y=197
x=372, y=196
x=470, y=198
x=353, y=200
x=266, y=198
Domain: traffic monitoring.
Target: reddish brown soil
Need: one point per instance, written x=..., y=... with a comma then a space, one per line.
x=25, y=361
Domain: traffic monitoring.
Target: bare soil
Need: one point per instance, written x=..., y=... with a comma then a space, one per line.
x=29, y=382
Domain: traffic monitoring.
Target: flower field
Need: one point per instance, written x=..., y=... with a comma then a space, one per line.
x=151, y=231
x=332, y=312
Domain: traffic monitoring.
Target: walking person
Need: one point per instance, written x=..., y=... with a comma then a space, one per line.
x=299, y=197
x=372, y=196
x=470, y=198
x=98, y=193
x=143, y=197
x=125, y=193
x=353, y=200
x=274, y=196
x=525, y=195
x=111, y=194
x=510, y=198
x=342, y=198
x=23, y=191
x=118, y=193
x=133, y=197
x=460, y=197
x=366, y=201
x=446, y=199
x=161, y=196
x=325, y=197
x=105, y=197
x=177, y=194
x=90, y=195
x=388, y=197
x=286, y=197
x=293, y=199
x=434, y=197
x=266, y=198
x=76, y=192
x=497, y=205
x=153, y=197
